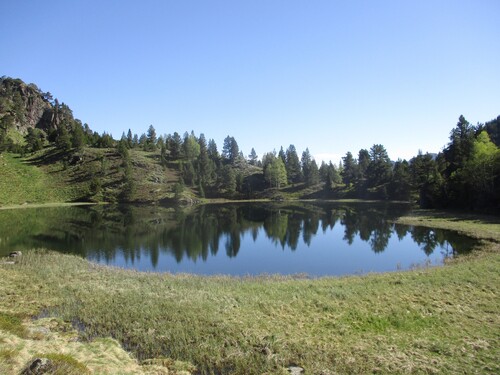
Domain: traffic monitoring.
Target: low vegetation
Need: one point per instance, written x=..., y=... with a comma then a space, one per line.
x=429, y=320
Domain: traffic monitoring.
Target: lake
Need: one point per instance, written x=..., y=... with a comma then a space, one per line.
x=235, y=239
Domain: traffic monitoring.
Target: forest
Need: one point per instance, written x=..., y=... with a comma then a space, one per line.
x=465, y=174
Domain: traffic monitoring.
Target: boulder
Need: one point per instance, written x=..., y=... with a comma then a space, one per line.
x=38, y=366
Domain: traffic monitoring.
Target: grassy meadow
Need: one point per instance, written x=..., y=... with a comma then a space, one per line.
x=97, y=319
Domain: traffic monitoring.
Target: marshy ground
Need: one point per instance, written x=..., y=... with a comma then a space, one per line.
x=103, y=320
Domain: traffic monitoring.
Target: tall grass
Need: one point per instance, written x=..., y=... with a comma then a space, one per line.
x=435, y=320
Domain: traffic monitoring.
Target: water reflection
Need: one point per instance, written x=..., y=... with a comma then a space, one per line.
x=131, y=235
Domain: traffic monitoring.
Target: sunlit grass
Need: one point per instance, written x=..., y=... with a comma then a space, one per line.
x=435, y=320
x=23, y=183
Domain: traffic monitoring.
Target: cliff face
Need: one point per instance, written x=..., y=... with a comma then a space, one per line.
x=24, y=106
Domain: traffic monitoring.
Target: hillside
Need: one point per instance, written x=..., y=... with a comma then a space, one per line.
x=49, y=156
x=93, y=175
x=46, y=155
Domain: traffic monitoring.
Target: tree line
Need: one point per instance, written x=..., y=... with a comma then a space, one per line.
x=466, y=173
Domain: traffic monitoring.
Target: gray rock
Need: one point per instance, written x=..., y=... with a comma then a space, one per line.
x=295, y=370
x=38, y=366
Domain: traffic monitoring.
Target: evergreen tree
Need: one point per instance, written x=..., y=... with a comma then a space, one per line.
x=457, y=154
x=281, y=154
x=239, y=182
x=213, y=153
x=174, y=145
x=427, y=181
x=252, y=158
x=363, y=163
x=150, y=144
x=143, y=141
x=78, y=136
x=160, y=142
x=63, y=141
x=350, y=169
x=122, y=148
x=178, y=189
x=188, y=172
x=34, y=140
x=205, y=166
x=323, y=171
x=460, y=146
x=105, y=140
x=201, y=191
x=379, y=170
x=191, y=147
x=130, y=139
x=332, y=177
x=400, y=186
x=163, y=155
x=292, y=164
x=306, y=163
x=230, y=150
x=228, y=180
x=313, y=173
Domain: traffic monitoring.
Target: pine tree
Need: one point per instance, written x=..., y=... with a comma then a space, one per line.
x=252, y=158
x=292, y=164
x=349, y=169
x=130, y=139
x=151, y=139
x=78, y=136
x=174, y=145
x=63, y=141
x=380, y=169
x=230, y=150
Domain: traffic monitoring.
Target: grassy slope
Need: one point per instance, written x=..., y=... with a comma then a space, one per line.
x=22, y=182
x=423, y=321
x=43, y=177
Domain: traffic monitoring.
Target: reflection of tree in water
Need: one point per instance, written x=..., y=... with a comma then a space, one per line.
x=372, y=226
x=451, y=243
x=425, y=238
x=310, y=227
x=100, y=233
x=276, y=227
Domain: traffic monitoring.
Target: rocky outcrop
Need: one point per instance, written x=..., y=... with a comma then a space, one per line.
x=24, y=106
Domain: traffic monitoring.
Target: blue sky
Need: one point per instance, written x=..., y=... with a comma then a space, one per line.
x=334, y=76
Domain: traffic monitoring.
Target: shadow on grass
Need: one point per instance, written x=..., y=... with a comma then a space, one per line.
x=461, y=216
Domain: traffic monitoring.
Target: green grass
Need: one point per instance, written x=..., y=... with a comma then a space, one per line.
x=471, y=224
x=48, y=177
x=12, y=324
x=22, y=182
x=435, y=320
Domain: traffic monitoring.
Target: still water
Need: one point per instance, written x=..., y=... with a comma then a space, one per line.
x=235, y=239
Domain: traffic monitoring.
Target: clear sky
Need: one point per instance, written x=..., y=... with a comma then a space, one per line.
x=334, y=76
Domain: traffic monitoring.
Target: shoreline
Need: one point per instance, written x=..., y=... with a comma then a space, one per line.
x=51, y=204
x=422, y=320
x=200, y=202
